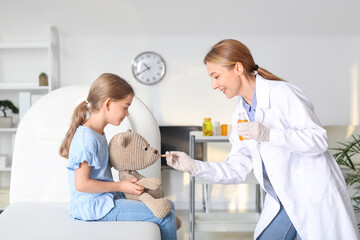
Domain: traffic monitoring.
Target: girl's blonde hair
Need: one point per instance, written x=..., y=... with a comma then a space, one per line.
x=229, y=51
x=105, y=86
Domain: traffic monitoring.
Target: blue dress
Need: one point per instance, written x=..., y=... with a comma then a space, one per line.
x=90, y=146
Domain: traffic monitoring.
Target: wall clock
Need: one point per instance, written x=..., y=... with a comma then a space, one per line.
x=148, y=68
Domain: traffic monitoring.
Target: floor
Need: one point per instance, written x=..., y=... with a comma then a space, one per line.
x=183, y=232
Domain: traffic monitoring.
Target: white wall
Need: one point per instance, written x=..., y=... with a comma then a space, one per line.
x=313, y=44
x=184, y=96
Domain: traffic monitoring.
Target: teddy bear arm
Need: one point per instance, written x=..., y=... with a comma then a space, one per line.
x=157, y=193
x=150, y=183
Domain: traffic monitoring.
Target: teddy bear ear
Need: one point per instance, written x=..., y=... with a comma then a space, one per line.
x=121, y=140
x=129, y=130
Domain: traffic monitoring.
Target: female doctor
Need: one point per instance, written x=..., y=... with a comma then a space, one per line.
x=286, y=148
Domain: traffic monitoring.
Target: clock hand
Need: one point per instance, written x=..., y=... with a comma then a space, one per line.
x=146, y=69
x=146, y=66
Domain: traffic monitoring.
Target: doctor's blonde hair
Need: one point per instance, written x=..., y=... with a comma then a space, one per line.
x=229, y=51
x=105, y=86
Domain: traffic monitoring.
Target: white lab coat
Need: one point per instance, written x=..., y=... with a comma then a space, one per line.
x=303, y=173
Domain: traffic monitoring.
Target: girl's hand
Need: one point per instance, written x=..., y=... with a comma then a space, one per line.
x=130, y=186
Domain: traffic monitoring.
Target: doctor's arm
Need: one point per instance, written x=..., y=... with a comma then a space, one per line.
x=303, y=133
x=234, y=170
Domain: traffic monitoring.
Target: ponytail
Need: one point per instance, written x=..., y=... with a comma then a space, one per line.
x=79, y=116
x=268, y=75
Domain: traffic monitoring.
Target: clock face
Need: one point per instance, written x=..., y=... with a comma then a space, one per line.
x=148, y=68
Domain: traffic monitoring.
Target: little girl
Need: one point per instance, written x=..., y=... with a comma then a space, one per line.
x=94, y=194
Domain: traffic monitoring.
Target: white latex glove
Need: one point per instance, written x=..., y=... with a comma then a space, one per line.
x=253, y=130
x=181, y=161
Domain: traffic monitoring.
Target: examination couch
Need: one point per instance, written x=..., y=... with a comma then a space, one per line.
x=39, y=187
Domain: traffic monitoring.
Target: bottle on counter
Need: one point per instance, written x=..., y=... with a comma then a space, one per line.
x=216, y=129
x=224, y=129
x=207, y=127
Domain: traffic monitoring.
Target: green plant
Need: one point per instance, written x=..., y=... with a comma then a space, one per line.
x=42, y=74
x=348, y=157
x=7, y=104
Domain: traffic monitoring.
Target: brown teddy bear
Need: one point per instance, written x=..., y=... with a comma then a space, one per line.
x=129, y=152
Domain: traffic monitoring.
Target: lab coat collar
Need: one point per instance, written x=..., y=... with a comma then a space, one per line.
x=262, y=92
x=262, y=89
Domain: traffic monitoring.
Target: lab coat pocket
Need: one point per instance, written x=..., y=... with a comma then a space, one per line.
x=315, y=177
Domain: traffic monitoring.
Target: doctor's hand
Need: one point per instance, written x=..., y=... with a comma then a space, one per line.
x=253, y=130
x=181, y=161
